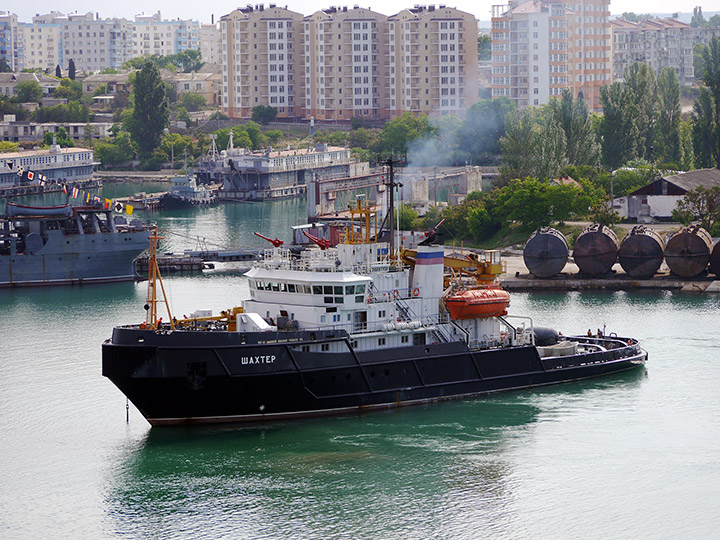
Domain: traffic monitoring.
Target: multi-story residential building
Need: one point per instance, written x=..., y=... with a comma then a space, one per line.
x=540, y=48
x=433, y=61
x=660, y=43
x=11, y=42
x=351, y=63
x=43, y=41
x=209, y=43
x=343, y=57
x=95, y=44
x=153, y=35
x=262, y=60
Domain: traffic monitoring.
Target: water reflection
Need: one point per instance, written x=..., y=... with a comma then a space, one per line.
x=442, y=470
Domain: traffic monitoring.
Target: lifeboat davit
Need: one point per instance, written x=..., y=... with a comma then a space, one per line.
x=478, y=303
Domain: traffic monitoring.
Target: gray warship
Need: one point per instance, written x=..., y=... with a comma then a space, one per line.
x=58, y=245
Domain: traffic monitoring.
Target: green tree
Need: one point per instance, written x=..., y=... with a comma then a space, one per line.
x=573, y=117
x=193, y=102
x=705, y=131
x=519, y=144
x=700, y=204
x=687, y=155
x=183, y=116
x=407, y=215
x=150, y=113
x=71, y=69
x=58, y=71
x=61, y=137
x=479, y=136
x=8, y=106
x=667, y=133
x=4, y=66
x=618, y=132
x=640, y=95
x=362, y=138
x=484, y=51
x=28, y=91
x=697, y=21
x=264, y=114
x=7, y=146
x=69, y=89
x=399, y=132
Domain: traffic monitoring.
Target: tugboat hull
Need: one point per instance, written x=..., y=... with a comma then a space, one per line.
x=173, y=382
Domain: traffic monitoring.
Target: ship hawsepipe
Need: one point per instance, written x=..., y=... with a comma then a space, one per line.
x=178, y=377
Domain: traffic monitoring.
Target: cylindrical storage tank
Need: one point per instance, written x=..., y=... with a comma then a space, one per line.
x=687, y=252
x=546, y=252
x=595, y=250
x=715, y=260
x=641, y=252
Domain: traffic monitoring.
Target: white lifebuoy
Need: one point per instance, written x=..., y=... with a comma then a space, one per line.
x=395, y=293
x=416, y=292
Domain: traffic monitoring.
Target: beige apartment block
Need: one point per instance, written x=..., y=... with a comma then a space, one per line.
x=262, y=60
x=540, y=48
x=344, y=64
x=433, y=67
x=209, y=43
x=351, y=63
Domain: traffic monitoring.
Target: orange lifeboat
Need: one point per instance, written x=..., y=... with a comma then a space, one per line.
x=478, y=303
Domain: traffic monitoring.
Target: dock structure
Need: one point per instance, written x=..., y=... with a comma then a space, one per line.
x=196, y=261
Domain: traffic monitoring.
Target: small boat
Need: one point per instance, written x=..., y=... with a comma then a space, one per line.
x=15, y=209
x=478, y=303
x=186, y=193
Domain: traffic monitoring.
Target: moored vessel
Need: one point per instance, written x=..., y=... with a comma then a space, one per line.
x=346, y=329
x=56, y=245
x=186, y=193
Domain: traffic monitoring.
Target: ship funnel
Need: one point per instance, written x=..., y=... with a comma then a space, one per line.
x=428, y=272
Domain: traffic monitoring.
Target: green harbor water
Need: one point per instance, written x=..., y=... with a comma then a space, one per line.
x=632, y=456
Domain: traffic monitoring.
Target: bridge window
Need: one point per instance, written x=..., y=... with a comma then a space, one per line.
x=360, y=289
x=359, y=299
x=291, y=287
x=328, y=289
x=317, y=289
x=338, y=289
x=349, y=289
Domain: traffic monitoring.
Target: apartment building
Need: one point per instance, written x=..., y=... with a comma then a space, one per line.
x=351, y=63
x=262, y=60
x=660, y=43
x=42, y=41
x=540, y=48
x=11, y=43
x=344, y=64
x=154, y=35
x=433, y=61
x=94, y=44
x=209, y=43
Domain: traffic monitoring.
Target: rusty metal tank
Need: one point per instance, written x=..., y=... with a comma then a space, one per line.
x=687, y=252
x=595, y=250
x=641, y=252
x=715, y=260
x=546, y=252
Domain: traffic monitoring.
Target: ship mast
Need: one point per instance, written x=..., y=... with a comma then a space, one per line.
x=151, y=305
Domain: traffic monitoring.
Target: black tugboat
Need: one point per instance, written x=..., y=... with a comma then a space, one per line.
x=338, y=330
